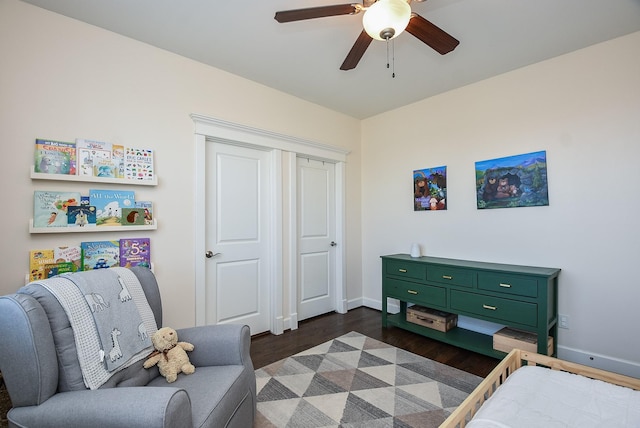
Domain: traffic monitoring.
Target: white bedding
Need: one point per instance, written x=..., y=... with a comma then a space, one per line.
x=536, y=397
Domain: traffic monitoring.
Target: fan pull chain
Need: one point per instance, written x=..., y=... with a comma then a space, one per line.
x=387, y=53
x=393, y=58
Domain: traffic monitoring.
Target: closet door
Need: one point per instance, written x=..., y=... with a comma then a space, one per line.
x=316, y=196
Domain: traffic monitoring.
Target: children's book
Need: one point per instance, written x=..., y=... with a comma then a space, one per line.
x=135, y=252
x=147, y=207
x=50, y=207
x=55, y=157
x=53, y=269
x=132, y=217
x=138, y=164
x=91, y=155
x=81, y=216
x=109, y=205
x=104, y=168
x=117, y=155
x=100, y=254
x=38, y=259
x=71, y=254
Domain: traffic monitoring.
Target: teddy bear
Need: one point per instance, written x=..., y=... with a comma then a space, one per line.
x=170, y=355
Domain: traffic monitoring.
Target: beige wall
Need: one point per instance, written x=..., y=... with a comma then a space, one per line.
x=63, y=79
x=583, y=109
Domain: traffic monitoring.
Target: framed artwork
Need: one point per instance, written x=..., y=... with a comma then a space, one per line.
x=514, y=181
x=430, y=189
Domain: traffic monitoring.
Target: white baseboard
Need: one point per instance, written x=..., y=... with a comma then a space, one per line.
x=369, y=303
x=599, y=361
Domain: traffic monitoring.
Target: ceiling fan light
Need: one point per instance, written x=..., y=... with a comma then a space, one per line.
x=386, y=19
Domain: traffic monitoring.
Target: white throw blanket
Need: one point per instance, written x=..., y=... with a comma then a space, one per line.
x=81, y=306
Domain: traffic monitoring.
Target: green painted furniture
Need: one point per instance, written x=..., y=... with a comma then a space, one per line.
x=523, y=297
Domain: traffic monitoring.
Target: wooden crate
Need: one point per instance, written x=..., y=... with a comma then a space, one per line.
x=510, y=338
x=432, y=318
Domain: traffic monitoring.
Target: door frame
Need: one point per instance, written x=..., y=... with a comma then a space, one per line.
x=208, y=129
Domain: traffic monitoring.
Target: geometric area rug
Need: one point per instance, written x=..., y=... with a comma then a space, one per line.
x=356, y=381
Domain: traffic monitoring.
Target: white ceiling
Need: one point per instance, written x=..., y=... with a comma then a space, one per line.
x=303, y=58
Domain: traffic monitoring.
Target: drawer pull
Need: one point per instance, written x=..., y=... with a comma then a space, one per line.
x=412, y=292
x=505, y=285
x=493, y=308
x=447, y=277
x=402, y=270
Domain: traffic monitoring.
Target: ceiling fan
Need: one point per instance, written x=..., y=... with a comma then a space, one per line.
x=382, y=20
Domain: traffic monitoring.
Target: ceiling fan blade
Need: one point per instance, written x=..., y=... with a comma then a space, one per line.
x=429, y=33
x=357, y=50
x=317, y=12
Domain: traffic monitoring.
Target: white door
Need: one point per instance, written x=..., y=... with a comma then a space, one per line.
x=237, y=241
x=316, y=238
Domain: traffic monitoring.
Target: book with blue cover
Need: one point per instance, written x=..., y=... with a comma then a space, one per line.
x=50, y=207
x=100, y=254
x=109, y=205
x=81, y=216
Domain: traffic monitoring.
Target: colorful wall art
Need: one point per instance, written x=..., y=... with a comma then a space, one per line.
x=430, y=189
x=514, y=181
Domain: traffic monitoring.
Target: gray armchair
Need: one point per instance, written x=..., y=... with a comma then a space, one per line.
x=39, y=363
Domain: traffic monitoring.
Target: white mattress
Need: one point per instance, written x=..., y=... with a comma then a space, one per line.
x=537, y=397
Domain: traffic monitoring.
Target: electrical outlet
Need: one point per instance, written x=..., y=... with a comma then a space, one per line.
x=563, y=321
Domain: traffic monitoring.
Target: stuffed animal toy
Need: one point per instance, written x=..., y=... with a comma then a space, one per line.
x=170, y=355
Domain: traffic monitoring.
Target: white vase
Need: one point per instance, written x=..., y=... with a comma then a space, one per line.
x=415, y=250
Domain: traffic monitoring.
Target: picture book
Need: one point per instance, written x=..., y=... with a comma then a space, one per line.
x=103, y=167
x=91, y=155
x=37, y=261
x=55, y=157
x=147, y=207
x=100, y=254
x=81, y=216
x=117, y=155
x=138, y=164
x=135, y=252
x=109, y=205
x=53, y=269
x=132, y=217
x=71, y=254
x=50, y=207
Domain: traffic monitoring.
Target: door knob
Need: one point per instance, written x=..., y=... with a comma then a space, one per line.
x=333, y=244
x=209, y=254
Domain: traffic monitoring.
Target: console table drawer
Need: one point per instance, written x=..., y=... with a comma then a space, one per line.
x=416, y=293
x=497, y=308
x=407, y=270
x=452, y=276
x=509, y=284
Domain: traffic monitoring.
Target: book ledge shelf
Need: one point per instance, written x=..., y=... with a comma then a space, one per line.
x=92, y=229
x=89, y=179
x=27, y=280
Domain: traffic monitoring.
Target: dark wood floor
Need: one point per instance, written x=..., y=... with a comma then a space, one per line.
x=268, y=348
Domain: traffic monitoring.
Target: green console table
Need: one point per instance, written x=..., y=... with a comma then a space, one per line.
x=522, y=297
